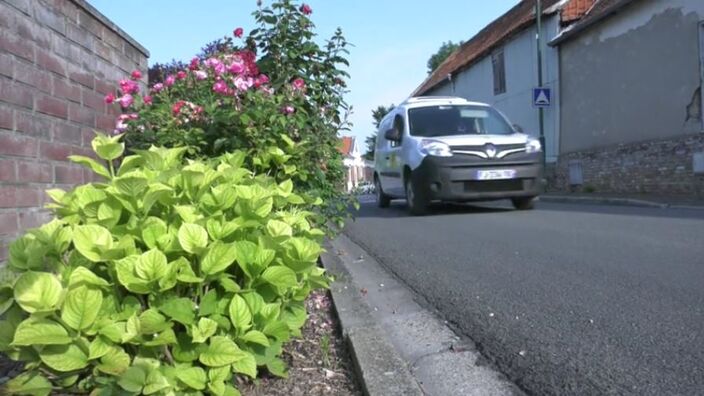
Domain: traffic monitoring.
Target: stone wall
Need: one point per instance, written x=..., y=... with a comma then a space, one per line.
x=58, y=59
x=665, y=166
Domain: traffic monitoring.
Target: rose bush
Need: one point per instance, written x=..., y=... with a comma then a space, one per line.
x=167, y=278
x=275, y=94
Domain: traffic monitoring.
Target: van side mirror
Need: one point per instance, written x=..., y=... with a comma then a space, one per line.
x=518, y=128
x=392, y=134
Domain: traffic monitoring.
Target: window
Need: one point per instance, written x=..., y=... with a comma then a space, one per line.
x=398, y=125
x=456, y=120
x=499, y=68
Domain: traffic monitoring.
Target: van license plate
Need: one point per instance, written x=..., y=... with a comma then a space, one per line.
x=499, y=174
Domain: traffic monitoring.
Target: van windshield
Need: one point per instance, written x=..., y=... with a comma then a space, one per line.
x=454, y=120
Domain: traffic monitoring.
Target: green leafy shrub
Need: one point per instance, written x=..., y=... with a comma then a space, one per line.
x=166, y=278
x=275, y=90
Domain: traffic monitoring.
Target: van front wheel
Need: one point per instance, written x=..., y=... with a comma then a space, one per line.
x=416, y=199
x=382, y=200
x=525, y=203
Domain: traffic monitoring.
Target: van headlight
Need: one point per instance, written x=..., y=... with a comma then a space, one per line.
x=435, y=148
x=533, y=146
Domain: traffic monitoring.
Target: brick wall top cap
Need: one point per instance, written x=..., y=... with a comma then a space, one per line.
x=110, y=24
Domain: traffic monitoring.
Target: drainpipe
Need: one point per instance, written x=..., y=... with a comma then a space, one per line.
x=452, y=83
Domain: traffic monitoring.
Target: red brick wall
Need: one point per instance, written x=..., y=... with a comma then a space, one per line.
x=58, y=59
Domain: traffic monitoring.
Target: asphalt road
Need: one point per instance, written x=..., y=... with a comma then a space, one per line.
x=566, y=299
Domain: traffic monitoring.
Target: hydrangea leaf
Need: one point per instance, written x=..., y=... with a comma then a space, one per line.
x=280, y=276
x=203, y=330
x=29, y=383
x=194, y=377
x=240, y=315
x=91, y=241
x=38, y=291
x=64, y=358
x=221, y=351
x=219, y=256
x=192, y=237
x=81, y=307
x=36, y=331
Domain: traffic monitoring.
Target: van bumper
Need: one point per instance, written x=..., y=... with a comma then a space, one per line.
x=455, y=179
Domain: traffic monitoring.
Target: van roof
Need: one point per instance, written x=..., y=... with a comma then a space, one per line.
x=420, y=101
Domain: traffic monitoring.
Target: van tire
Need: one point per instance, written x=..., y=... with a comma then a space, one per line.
x=382, y=200
x=523, y=203
x=416, y=199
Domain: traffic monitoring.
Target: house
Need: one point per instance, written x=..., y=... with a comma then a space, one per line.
x=625, y=79
x=499, y=66
x=358, y=169
x=631, y=100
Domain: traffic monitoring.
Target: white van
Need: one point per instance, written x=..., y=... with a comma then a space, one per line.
x=449, y=149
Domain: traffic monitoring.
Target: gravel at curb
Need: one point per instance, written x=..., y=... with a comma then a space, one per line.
x=379, y=368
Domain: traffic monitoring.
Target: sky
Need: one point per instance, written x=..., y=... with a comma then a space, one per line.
x=392, y=39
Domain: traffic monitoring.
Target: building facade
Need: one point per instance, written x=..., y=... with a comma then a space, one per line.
x=358, y=169
x=631, y=100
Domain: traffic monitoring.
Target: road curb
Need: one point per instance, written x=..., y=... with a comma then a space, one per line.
x=607, y=201
x=379, y=367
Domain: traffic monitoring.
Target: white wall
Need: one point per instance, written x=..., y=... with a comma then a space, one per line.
x=520, y=57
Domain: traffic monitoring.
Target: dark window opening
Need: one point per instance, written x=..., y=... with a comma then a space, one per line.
x=499, y=68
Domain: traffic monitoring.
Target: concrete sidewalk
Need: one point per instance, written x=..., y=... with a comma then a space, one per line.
x=399, y=346
x=636, y=200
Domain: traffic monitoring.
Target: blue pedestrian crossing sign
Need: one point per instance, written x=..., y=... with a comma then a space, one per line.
x=542, y=97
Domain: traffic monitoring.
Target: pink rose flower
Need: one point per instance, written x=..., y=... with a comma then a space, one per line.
x=305, y=9
x=215, y=64
x=129, y=86
x=236, y=67
x=220, y=87
x=288, y=109
x=298, y=84
x=176, y=108
x=200, y=74
x=147, y=100
x=195, y=62
x=109, y=98
x=243, y=84
x=170, y=80
x=181, y=75
x=158, y=87
x=238, y=32
x=136, y=75
x=121, y=124
x=126, y=101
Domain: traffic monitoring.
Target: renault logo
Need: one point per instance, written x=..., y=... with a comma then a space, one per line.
x=490, y=150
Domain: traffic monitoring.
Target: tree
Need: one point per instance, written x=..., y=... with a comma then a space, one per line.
x=443, y=52
x=378, y=115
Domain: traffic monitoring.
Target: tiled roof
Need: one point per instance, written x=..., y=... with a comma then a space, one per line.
x=575, y=9
x=600, y=10
x=347, y=145
x=492, y=36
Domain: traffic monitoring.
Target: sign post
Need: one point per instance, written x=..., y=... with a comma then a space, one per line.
x=539, y=37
